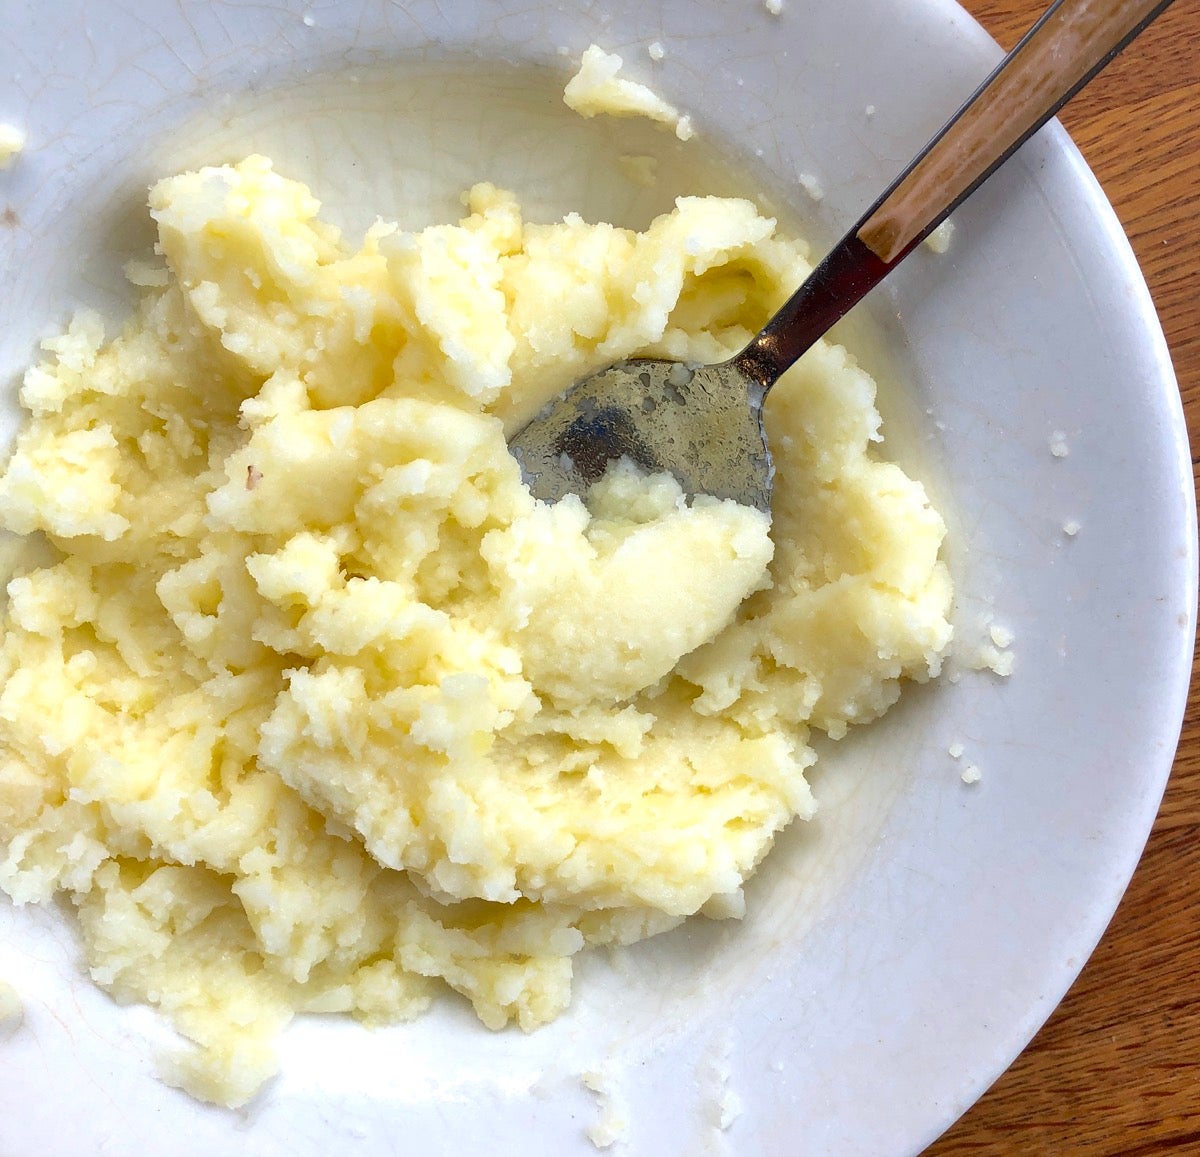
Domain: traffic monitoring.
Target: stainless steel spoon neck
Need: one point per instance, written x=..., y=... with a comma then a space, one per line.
x=1073, y=41
x=847, y=274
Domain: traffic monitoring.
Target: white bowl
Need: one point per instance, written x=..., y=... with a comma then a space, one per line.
x=903, y=948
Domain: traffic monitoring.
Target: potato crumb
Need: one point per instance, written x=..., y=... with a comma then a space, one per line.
x=612, y=1124
x=656, y=50
x=939, y=240
x=955, y=750
x=971, y=774
x=1071, y=528
x=1001, y=636
x=993, y=654
x=774, y=7
x=12, y=144
x=1058, y=444
x=990, y=658
x=811, y=186
x=715, y=1076
x=597, y=88
x=870, y=110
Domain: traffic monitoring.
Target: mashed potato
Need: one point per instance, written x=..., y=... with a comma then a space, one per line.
x=598, y=89
x=307, y=705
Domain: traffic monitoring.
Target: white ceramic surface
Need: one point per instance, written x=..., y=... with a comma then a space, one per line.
x=900, y=950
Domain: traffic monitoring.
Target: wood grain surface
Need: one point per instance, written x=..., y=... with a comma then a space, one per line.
x=1116, y=1069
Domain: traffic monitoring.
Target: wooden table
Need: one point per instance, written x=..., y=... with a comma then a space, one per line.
x=1116, y=1070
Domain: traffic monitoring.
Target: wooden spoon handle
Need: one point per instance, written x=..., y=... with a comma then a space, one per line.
x=1057, y=57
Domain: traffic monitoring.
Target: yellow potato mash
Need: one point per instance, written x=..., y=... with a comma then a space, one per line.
x=307, y=705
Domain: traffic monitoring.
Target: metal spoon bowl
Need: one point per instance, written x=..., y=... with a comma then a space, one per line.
x=703, y=423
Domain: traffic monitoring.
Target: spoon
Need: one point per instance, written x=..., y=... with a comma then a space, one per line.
x=704, y=423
